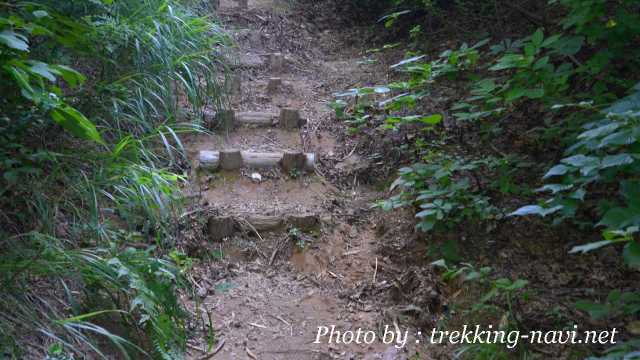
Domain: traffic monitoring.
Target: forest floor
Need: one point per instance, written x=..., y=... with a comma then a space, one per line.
x=266, y=293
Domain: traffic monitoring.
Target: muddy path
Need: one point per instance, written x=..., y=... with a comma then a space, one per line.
x=287, y=252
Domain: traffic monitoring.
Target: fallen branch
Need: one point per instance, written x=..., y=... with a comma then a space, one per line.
x=251, y=355
x=258, y=325
x=275, y=251
x=252, y=228
x=214, y=352
x=375, y=272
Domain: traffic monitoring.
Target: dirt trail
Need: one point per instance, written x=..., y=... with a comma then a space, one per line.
x=266, y=292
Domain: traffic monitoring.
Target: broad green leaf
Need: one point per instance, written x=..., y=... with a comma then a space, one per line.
x=537, y=38
x=40, y=14
x=581, y=161
x=617, y=218
x=616, y=160
x=630, y=189
x=77, y=124
x=548, y=42
x=595, y=310
x=426, y=213
x=590, y=246
x=568, y=45
x=508, y=61
x=631, y=102
x=624, y=137
x=43, y=69
x=517, y=93
x=426, y=225
x=516, y=285
x=14, y=40
x=554, y=188
x=535, y=210
x=408, y=61
x=578, y=194
x=431, y=119
x=631, y=254
x=72, y=77
x=442, y=263
x=556, y=171
x=541, y=63
x=599, y=131
x=22, y=78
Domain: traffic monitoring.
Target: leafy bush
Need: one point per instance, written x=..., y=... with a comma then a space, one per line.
x=442, y=188
x=603, y=158
x=130, y=286
x=95, y=97
x=560, y=76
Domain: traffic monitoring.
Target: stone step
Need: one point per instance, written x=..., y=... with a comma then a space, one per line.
x=235, y=159
x=288, y=119
x=219, y=227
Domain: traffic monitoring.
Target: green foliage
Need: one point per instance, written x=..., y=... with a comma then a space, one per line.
x=497, y=291
x=95, y=97
x=621, y=351
x=464, y=271
x=600, y=23
x=605, y=158
x=483, y=351
x=339, y=106
x=296, y=235
x=135, y=281
x=532, y=75
x=443, y=189
x=555, y=81
x=617, y=305
x=37, y=81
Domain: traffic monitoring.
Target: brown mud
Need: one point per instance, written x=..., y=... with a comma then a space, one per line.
x=263, y=295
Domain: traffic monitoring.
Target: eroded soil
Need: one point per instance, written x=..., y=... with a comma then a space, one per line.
x=266, y=293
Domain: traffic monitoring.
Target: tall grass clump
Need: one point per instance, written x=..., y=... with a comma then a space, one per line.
x=96, y=95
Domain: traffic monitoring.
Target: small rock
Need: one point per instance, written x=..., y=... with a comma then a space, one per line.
x=256, y=177
x=202, y=292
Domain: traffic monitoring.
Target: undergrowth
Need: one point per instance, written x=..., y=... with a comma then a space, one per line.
x=566, y=90
x=96, y=95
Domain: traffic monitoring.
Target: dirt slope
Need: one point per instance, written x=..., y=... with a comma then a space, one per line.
x=266, y=292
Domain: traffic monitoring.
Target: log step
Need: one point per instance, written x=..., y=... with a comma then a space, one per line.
x=236, y=159
x=248, y=61
x=219, y=227
x=287, y=119
x=256, y=118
